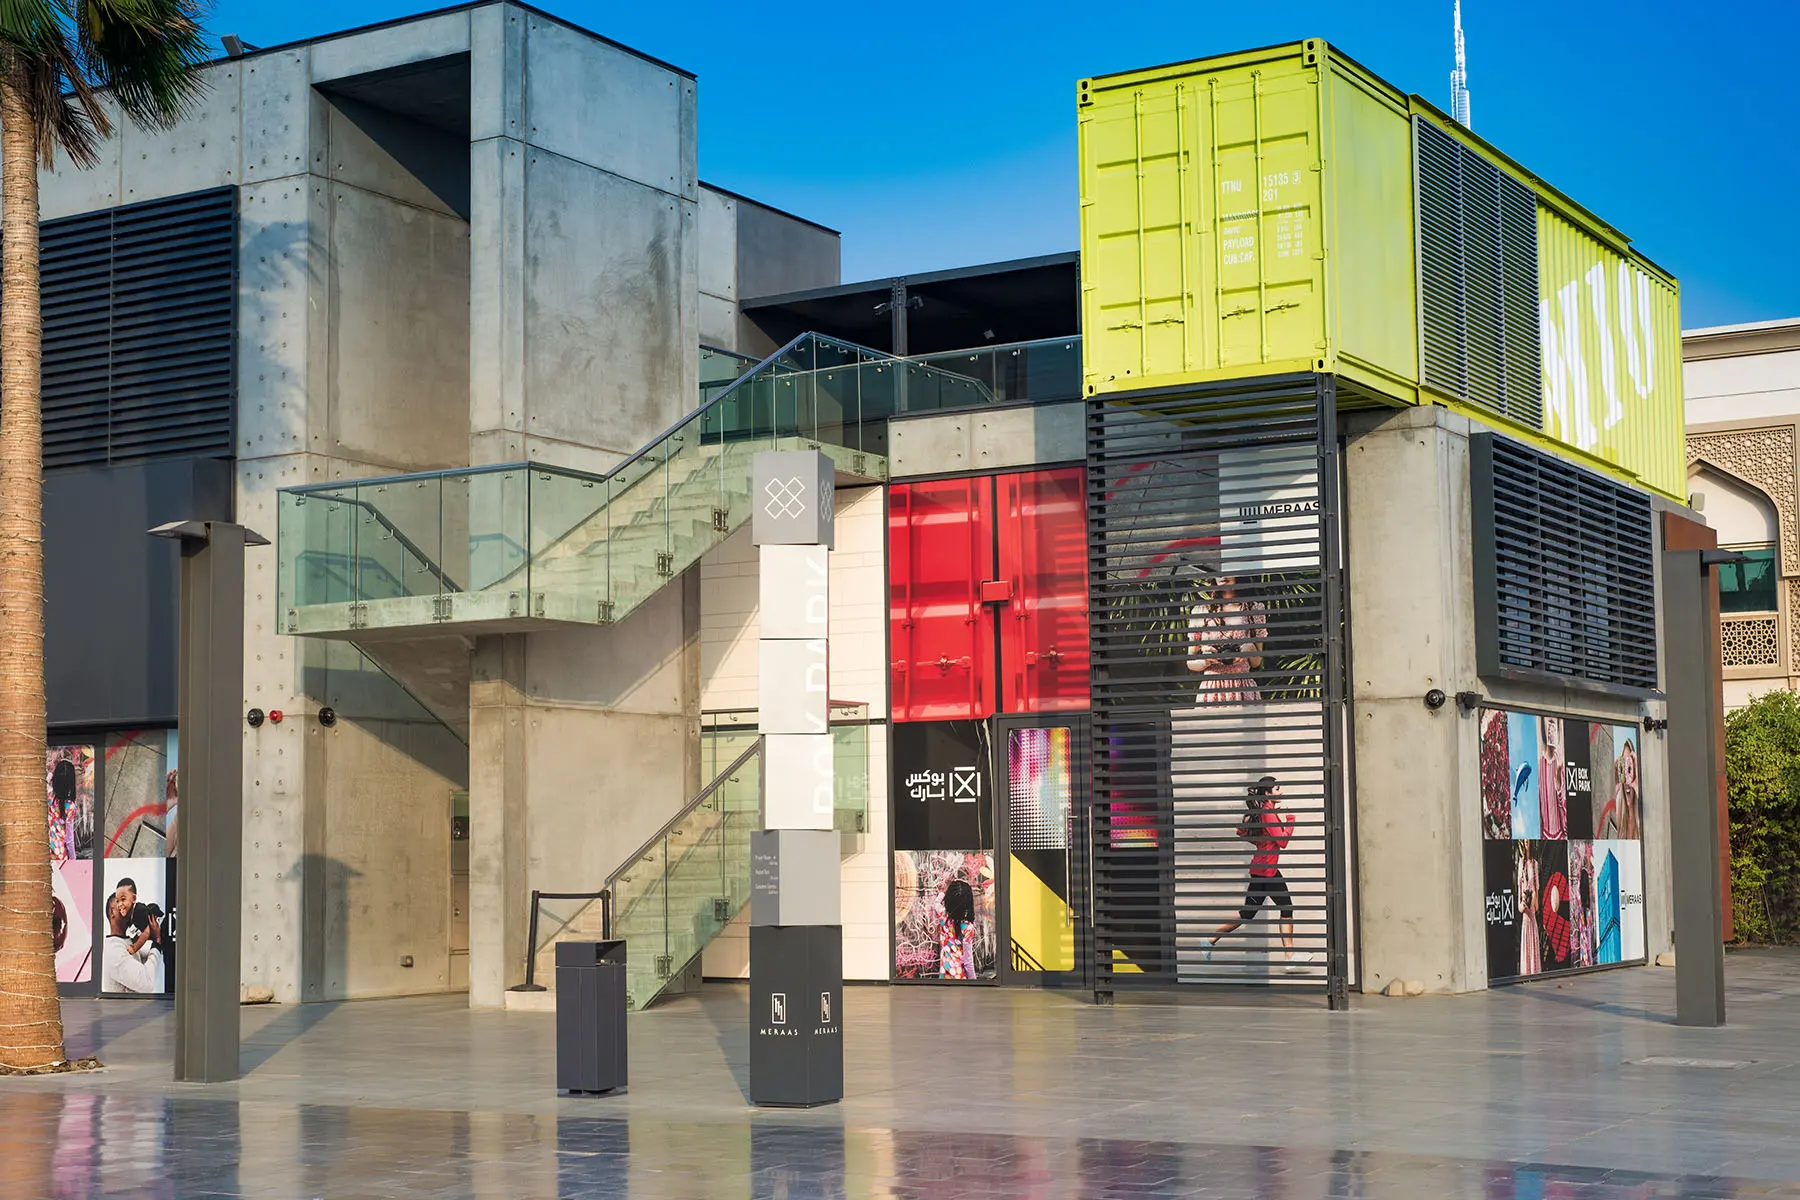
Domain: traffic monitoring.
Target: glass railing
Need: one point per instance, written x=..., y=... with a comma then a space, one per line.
x=1018, y=373
x=688, y=881
x=532, y=542
x=719, y=369
x=526, y=542
x=725, y=734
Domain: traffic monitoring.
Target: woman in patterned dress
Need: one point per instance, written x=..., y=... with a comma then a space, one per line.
x=956, y=946
x=1227, y=634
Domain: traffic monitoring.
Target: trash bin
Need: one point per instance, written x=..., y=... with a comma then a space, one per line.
x=590, y=1016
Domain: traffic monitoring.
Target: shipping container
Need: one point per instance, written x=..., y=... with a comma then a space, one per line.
x=1285, y=210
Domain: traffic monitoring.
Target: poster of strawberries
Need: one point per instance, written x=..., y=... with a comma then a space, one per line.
x=1562, y=849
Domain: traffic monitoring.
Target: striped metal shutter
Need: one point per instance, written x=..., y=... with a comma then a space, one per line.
x=1218, y=658
x=1478, y=287
x=140, y=315
x=1565, y=587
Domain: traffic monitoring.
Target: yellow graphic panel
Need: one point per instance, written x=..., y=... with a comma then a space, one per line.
x=1043, y=931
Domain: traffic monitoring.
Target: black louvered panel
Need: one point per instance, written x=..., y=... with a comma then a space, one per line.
x=1215, y=637
x=1441, y=336
x=1523, y=362
x=1564, y=580
x=1478, y=318
x=139, y=331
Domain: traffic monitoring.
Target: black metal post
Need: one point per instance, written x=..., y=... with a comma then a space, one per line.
x=1336, y=691
x=1690, y=615
x=531, y=984
x=209, y=874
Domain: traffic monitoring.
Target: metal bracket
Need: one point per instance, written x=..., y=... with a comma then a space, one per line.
x=721, y=909
x=606, y=612
x=440, y=608
x=512, y=604
x=359, y=616
x=293, y=621
x=537, y=604
x=721, y=520
x=665, y=563
x=665, y=966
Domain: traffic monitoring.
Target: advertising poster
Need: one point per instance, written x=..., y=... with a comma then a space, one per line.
x=138, y=949
x=943, y=851
x=944, y=915
x=72, y=920
x=69, y=793
x=141, y=789
x=1040, y=795
x=1563, y=886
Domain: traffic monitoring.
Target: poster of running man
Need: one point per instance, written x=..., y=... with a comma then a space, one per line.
x=1562, y=855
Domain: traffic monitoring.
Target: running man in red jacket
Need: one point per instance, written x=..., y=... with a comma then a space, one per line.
x=1267, y=827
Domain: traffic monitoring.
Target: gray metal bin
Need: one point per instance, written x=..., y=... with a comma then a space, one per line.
x=590, y=1016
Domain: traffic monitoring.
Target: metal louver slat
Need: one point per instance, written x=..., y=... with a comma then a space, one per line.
x=140, y=324
x=1217, y=656
x=1564, y=575
x=1478, y=318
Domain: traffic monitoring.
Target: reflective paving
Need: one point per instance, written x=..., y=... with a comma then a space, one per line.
x=1583, y=1090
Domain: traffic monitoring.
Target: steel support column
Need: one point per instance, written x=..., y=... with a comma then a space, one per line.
x=209, y=872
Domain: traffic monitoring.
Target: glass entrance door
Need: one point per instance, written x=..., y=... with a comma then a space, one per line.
x=1040, y=766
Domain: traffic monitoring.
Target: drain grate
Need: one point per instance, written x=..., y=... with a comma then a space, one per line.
x=1711, y=1064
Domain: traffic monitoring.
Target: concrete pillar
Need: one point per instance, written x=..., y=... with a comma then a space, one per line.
x=1418, y=837
x=499, y=894
x=1419, y=888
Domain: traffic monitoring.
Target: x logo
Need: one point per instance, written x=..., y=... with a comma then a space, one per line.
x=786, y=497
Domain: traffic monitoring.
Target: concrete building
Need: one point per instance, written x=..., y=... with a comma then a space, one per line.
x=444, y=308
x=1743, y=407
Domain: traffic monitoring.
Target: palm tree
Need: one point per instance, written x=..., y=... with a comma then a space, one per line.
x=61, y=62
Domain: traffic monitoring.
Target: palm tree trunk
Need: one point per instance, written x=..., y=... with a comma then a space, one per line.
x=31, y=1034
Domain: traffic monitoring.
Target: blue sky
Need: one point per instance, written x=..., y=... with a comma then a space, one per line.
x=937, y=135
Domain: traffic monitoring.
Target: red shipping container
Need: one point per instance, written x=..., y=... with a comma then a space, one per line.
x=941, y=635
x=1043, y=558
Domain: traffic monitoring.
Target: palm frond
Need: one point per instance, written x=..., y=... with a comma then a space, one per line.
x=65, y=56
x=145, y=52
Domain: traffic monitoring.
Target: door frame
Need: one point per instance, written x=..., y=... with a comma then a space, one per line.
x=1076, y=850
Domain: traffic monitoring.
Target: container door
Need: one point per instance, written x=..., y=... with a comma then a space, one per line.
x=1040, y=765
x=940, y=551
x=1043, y=564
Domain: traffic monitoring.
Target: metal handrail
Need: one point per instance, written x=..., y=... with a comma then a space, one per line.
x=604, y=895
x=705, y=794
x=589, y=476
x=399, y=535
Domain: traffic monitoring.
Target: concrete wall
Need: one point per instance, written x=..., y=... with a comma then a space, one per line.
x=1419, y=887
x=1749, y=380
x=352, y=361
x=585, y=210
x=728, y=654
x=582, y=743
x=749, y=249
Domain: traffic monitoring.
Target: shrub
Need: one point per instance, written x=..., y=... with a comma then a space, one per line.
x=1762, y=773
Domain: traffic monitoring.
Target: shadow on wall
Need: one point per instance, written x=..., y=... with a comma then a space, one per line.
x=339, y=676
x=324, y=956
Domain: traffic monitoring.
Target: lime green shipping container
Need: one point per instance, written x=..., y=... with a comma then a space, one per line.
x=1285, y=210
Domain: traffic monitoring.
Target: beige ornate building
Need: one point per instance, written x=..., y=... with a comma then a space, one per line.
x=1742, y=384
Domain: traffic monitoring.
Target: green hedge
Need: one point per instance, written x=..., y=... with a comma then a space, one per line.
x=1762, y=772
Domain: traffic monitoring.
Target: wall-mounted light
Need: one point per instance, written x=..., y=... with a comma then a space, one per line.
x=1435, y=698
x=328, y=716
x=254, y=718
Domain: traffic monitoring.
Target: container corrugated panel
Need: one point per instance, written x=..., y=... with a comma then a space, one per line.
x=1610, y=328
x=1255, y=214
x=1201, y=253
